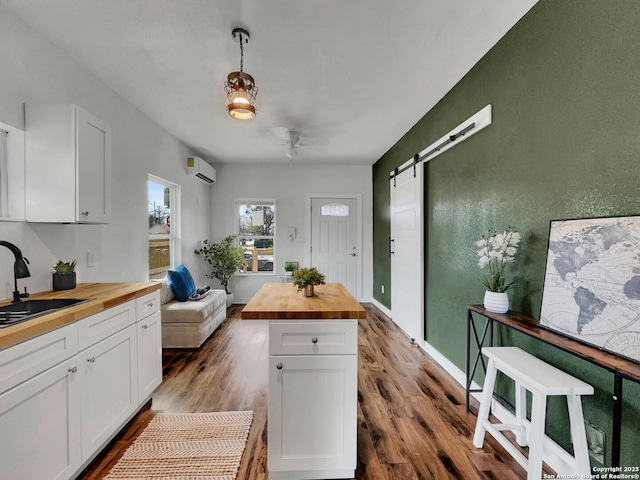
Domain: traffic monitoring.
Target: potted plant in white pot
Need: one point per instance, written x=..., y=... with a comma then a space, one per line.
x=64, y=275
x=497, y=250
x=288, y=269
x=225, y=259
x=306, y=278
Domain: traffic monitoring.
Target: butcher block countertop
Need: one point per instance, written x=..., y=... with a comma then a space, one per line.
x=283, y=301
x=101, y=295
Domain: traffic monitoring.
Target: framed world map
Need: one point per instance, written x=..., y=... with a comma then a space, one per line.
x=592, y=283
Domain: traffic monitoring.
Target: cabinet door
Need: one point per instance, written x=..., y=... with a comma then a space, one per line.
x=40, y=426
x=109, y=388
x=67, y=165
x=312, y=412
x=93, y=144
x=50, y=166
x=149, y=331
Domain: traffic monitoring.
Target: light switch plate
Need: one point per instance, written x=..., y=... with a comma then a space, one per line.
x=91, y=259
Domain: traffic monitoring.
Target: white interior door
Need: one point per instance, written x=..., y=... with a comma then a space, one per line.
x=334, y=240
x=407, y=257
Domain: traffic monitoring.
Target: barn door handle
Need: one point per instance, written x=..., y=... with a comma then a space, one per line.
x=391, y=249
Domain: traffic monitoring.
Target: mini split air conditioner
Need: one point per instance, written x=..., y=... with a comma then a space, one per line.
x=201, y=169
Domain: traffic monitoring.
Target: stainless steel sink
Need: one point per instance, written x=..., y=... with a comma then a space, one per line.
x=28, y=309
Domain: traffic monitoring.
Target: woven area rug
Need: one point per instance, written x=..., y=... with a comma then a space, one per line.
x=187, y=447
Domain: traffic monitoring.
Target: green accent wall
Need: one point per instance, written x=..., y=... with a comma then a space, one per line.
x=564, y=83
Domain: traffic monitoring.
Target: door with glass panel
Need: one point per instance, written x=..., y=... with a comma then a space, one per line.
x=334, y=240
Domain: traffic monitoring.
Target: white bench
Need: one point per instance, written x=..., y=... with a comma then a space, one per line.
x=188, y=324
x=542, y=380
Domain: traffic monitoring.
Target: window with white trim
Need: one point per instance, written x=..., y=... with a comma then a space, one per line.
x=163, y=226
x=256, y=221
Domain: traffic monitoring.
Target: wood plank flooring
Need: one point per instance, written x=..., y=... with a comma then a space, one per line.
x=412, y=422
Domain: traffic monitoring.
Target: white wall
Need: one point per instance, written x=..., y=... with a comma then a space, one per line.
x=34, y=70
x=290, y=187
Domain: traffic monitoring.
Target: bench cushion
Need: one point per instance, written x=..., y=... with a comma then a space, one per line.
x=193, y=311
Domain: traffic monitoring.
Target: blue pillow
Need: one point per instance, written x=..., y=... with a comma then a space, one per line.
x=181, y=283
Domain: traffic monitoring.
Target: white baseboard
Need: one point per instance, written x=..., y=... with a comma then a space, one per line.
x=381, y=307
x=553, y=454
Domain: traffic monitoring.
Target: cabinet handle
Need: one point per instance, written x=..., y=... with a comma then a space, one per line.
x=91, y=360
x=279, y=366
x=150, y=304
x=85, y=214
x=145, y=326
x=73, y=369
x=314, y=340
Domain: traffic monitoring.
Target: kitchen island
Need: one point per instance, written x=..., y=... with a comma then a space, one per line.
x=313, y=380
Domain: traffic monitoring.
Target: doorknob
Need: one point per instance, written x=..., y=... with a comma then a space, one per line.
x=354, y=254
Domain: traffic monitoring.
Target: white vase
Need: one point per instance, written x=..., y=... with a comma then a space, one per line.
x=229, y=299
x=497, y=302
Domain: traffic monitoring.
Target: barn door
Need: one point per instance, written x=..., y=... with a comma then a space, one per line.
x=407, y=252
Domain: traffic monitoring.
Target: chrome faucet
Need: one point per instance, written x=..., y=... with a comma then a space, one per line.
x=20, y=270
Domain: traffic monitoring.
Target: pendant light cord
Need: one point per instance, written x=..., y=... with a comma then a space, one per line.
x=241, y=52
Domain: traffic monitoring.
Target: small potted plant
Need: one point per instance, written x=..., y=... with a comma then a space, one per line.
x=288, y=269
x=225, y=259
x=306, y=278
x=64, y=275
x=497, y=250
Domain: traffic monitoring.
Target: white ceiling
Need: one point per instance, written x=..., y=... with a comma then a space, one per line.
x=353, y=76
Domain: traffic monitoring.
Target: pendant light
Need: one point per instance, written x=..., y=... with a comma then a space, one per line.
x=240, y=87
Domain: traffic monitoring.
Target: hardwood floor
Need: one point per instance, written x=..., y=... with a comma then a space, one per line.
x=412, y=422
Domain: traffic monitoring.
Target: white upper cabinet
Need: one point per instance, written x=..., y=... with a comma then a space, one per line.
x=68, y=165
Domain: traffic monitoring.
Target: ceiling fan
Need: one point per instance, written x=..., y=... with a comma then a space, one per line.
x=292, y=143
x=291, y=139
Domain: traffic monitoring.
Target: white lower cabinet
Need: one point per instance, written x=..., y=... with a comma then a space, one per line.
x=149, y=335
x=149, y=354
x=40, y=426
x=55, y=421
x=109, y=388
x=313, y=400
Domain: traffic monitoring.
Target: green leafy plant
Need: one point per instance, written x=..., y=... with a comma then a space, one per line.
x=64, y=268
x=225, y=258
x=497, y=250
x=289, y=267
x=305, y=277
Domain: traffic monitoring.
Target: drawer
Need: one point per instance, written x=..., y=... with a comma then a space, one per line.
x=322, y=337
x=97, y=327
x=147, y=304
x=28, y=359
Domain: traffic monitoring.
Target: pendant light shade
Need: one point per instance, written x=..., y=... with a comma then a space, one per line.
x=240, y=87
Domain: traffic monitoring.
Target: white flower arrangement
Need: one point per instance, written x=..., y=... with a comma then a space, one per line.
x=496, y=251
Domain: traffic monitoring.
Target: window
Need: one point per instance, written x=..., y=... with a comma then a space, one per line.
x=256, y=233
x=334, y=210
x=163, y=226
